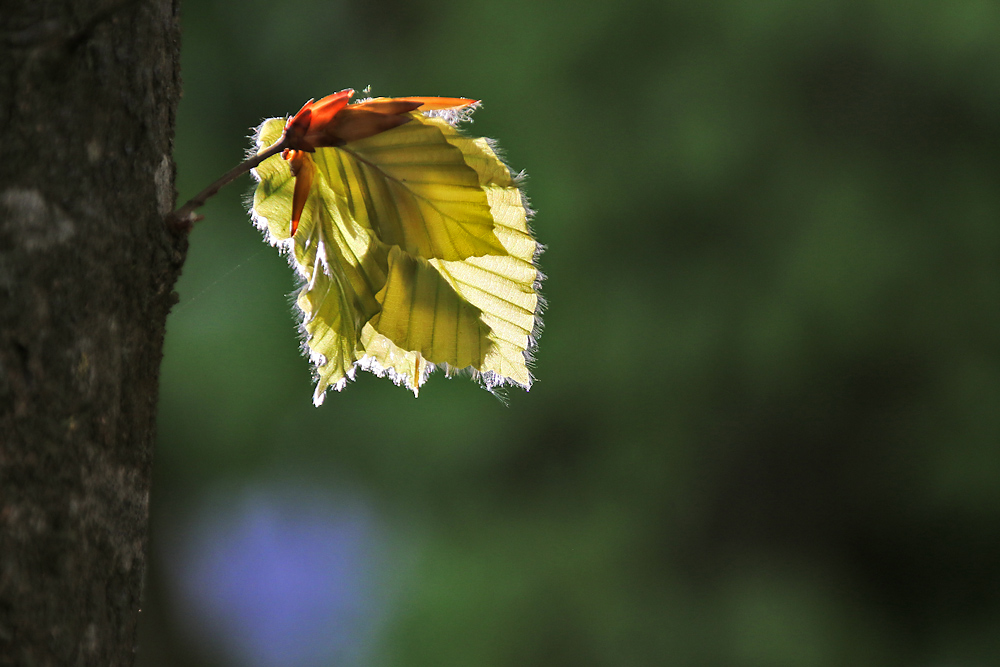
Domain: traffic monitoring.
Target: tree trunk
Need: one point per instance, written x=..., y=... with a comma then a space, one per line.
x=88, y=92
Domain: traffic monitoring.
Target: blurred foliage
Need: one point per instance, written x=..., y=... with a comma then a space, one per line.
x=766, y=426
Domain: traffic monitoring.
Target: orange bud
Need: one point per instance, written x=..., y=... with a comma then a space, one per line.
x=298, y=125
x=331, y=122
x=328, y=107
x=304, y=130
x=303, y=169
x=357, y=122
x=423, y=103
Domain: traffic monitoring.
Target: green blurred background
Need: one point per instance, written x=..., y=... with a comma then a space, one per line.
x=766, y=426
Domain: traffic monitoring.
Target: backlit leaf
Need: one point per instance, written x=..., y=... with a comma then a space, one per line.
x=412, y=245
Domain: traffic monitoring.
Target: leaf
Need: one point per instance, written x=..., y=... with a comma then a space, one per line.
x=412, y=245
x=414, y=189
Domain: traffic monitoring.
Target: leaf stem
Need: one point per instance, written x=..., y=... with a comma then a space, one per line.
x=184, y=217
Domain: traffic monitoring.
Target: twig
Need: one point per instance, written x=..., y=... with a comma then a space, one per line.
x=184, y=217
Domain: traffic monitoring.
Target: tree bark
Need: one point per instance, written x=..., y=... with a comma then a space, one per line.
x=88, y=92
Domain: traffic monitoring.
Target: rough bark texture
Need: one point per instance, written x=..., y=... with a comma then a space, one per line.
x=88, y=91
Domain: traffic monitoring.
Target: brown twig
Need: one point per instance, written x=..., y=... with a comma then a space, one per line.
x=184, y=217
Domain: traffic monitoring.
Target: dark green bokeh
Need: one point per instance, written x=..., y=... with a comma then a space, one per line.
x=766, y=427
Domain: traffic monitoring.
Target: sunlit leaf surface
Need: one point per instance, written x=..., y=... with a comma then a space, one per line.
x=414, y=253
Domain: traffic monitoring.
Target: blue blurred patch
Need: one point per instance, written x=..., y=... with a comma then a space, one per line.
x=280, y=577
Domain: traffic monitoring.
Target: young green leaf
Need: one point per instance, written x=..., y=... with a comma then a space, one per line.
x=410, y=239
